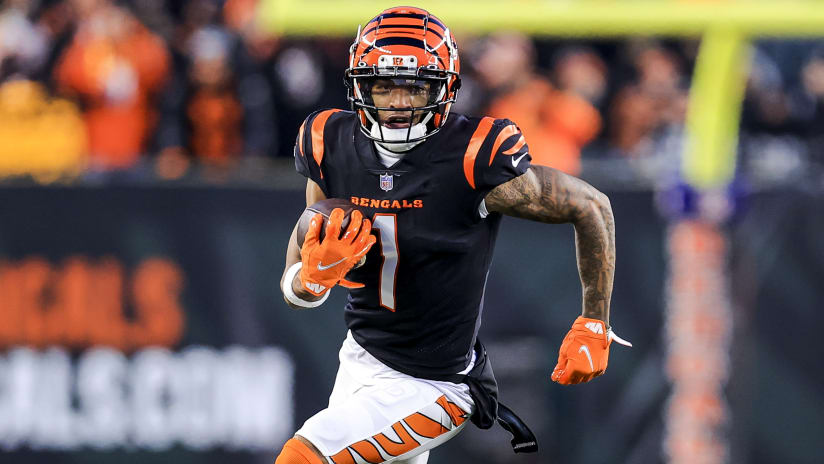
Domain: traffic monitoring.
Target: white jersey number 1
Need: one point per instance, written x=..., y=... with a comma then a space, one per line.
x=387, y=224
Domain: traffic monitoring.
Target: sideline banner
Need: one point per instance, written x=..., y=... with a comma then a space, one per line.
x=149, y=320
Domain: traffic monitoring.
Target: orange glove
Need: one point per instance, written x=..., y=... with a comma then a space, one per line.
x=584, y=352
x=325, y=263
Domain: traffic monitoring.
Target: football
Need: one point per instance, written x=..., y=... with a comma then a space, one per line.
x=325, y=208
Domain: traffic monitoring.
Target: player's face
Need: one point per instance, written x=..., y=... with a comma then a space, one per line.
x=402, y=94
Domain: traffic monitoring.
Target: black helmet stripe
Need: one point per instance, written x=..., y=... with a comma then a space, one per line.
x=401, y=40
x=438, y=34
x=433, y=20
x=397, y=40
x=408, y=15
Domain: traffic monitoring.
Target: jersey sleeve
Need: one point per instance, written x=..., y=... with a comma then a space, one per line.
x=310, y=148
x=502, y=154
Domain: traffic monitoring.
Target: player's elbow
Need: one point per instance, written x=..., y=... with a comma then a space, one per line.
x=596, y=206
x=604, y=207
x=602, y=201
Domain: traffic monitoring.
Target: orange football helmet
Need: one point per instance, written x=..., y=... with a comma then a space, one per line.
x=407, y=47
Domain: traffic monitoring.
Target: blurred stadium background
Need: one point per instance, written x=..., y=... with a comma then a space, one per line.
x=148, y=192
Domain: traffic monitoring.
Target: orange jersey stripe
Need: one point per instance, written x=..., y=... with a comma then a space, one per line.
x=474, y=146
x=425, y=426
x=344, y=457
x=367, y=451
x=393, y=448
x=300, y=138
x=518, y=145
x=455, y=412
x=506, y=133
x=317, y=134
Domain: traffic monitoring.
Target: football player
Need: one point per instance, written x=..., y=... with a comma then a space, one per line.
x=432, y=186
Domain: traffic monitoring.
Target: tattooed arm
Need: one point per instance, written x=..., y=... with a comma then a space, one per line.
x=548, y=195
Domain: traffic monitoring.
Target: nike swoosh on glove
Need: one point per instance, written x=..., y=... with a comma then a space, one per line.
x=584, y=352
x=325, y=263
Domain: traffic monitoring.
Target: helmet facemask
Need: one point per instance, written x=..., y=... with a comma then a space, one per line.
x=399, y=108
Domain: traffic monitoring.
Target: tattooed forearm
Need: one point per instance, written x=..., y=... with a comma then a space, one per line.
x=547, y=195
x=595, y=249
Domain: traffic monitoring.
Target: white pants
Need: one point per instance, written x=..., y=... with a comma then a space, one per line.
x=377, y=414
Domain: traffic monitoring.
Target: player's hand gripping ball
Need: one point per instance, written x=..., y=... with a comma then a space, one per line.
x=584, y=352
x=331, y=246
x=325, y=207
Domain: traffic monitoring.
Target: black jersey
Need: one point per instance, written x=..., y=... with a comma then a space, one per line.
x=420, y=309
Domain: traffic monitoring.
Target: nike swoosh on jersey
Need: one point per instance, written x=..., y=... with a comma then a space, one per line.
x=516, y=161
x=321, y=267
x=585, y=349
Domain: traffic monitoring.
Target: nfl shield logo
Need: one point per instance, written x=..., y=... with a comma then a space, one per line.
x=386, y=182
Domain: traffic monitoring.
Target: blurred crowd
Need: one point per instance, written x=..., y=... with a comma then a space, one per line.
x=102, y=88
